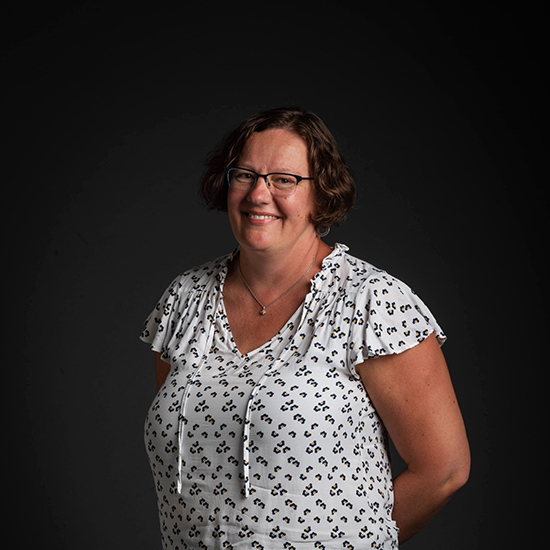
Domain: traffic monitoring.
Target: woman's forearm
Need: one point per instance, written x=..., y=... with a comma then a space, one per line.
x=418, y=498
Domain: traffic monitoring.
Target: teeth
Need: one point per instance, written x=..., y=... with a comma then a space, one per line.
x=256, y=217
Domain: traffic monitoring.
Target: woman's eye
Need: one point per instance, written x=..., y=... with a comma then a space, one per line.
x=244, y=176
x=283, y=180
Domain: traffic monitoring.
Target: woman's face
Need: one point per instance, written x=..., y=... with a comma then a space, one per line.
x=260, y=220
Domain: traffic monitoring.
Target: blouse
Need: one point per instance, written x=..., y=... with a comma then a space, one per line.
x=279, y=448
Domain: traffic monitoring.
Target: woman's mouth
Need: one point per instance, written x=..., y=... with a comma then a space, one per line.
x=261, y=216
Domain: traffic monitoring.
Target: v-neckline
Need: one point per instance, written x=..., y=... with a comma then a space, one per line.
x=299, y=312
x=286, y=327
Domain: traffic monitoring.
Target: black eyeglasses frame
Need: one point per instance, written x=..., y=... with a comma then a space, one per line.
x=265, y=176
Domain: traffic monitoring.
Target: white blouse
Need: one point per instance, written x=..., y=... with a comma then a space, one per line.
x=281, y=447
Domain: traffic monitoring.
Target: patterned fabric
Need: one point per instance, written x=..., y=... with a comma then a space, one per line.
x=280, y=448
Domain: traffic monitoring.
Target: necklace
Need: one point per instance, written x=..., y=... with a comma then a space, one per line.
x=263, y=311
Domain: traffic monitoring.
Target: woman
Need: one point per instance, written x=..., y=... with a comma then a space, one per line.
x=281, y=366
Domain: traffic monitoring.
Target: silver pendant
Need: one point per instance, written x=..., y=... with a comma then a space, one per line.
x=263, y=312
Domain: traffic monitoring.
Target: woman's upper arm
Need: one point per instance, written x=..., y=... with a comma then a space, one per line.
x=414, y=396
x=161, y=370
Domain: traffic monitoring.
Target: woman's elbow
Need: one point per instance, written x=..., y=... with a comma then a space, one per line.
x=446, y=474
x=458, y=474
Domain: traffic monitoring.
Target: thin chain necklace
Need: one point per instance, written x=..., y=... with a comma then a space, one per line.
x=263, y=311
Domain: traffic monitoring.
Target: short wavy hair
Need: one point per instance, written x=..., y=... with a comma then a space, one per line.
x=334, y=185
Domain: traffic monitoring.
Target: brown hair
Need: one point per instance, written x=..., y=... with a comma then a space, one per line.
x=334, y=185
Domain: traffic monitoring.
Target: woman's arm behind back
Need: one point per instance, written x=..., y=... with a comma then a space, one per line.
x=414, y=397
x=161, y=370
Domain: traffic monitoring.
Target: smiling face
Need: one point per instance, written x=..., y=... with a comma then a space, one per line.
x=260, y=220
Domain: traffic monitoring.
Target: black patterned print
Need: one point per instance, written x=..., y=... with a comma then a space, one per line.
x=280, y=448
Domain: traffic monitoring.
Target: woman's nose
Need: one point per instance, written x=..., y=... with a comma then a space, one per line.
x=260, y=192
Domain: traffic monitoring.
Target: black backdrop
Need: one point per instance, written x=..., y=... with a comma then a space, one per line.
x=109, y=113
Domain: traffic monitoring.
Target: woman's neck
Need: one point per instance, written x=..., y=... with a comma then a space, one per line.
x=268, y=271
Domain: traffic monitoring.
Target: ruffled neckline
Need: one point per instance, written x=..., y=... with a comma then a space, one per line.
x=338, y=250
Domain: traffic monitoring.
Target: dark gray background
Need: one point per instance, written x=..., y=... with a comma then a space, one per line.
x=109, y=113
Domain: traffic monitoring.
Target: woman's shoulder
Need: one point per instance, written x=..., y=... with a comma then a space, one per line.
x=360, y=278
x=202, y=276
x=389, y=315
x=356, y=272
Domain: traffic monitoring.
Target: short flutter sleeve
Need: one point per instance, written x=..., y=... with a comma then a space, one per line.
x=389, y=318
x=185, y=309
x=161, y=325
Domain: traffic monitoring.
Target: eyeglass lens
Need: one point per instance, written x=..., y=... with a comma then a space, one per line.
x=243, y=180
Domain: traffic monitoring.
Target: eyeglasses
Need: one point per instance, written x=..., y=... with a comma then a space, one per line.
x=242, y=179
